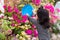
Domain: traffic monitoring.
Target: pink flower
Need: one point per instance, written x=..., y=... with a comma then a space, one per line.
x=4, y=6
x=58, y=10
x=35, y=33
x=15, y=17
x=9, y=31
x=16, y=9
x=23, y=21
x=24, y=17
x=29, y=32
x=36, y=2
x=13, y=24
x=54, y=18
x=9, y=9
x=49, y=7
x=33, y=26
x=18, y=21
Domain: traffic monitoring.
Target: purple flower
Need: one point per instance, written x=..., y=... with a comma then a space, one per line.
x=29, y=32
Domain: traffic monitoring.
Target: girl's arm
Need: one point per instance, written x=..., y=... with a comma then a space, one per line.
x=34, y=21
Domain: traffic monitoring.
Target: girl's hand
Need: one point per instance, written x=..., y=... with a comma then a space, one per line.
x=27, y=14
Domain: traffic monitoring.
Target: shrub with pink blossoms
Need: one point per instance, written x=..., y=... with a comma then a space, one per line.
x=16, y=25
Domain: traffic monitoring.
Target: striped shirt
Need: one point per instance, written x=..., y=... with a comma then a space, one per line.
x=43, y=34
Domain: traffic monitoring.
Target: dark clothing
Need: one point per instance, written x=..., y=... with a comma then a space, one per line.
x=43, y=34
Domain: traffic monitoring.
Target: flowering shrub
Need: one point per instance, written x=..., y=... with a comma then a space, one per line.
x=56, y=23
x=15, y=26
x=54, y=17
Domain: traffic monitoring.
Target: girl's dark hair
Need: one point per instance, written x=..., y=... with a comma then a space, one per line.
x=43, y=17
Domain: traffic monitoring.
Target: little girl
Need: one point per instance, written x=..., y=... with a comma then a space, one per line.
x=42, y=23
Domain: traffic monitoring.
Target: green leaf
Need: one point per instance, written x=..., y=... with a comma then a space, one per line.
x=5, y=25
x=2, y=36
x=17, y=31
x=8, y=14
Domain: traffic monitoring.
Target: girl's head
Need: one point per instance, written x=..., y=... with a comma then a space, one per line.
x=43, y=17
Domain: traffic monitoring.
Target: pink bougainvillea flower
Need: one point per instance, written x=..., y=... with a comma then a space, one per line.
x=33, y=26
x=18, y=21
x=9, y=9
x=24, y=17
x=29, y=32
x=16, y=9
x=58, y=10
x=36, y=2
x=54, y=18
x=53, y=21
x=58, y=17
x=15, y=17
x=4, y=6
x=23, y=21
x=13, y=24
x=35, y=33
x=50, y=7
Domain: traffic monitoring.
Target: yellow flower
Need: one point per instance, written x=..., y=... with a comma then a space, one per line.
x=17, y=35
x=22, y=27
x=29, y=26
x=23, y=39
x=26, y=27
x=20, y=37
x=23, y=33
x=28, y=36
